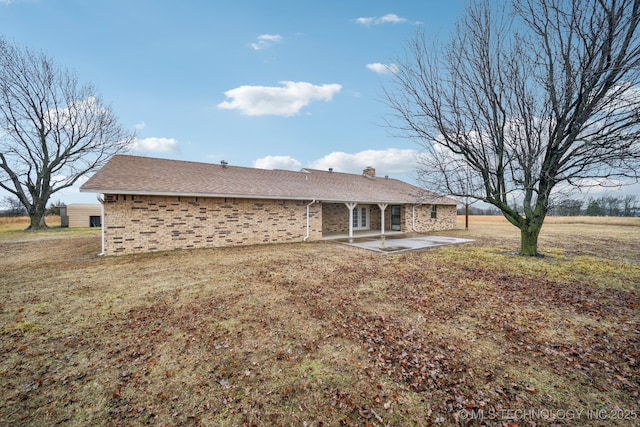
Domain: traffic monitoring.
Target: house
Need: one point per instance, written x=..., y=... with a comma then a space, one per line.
x=153, y=204
x=81, y=215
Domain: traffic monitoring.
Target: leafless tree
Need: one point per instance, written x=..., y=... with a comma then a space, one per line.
x=13, y=207
x=630, y=203
x=52, y=129
x=524, y=102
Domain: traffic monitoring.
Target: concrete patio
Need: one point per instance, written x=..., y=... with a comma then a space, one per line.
x=397, y=242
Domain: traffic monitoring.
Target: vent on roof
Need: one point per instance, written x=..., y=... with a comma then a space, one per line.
x=224, y=163
x=330, y=170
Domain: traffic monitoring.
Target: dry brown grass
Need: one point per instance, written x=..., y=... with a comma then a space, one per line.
x=322, y=333
x=19, y=223
x=592, y=220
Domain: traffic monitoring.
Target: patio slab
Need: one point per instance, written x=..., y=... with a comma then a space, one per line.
x=398, y=243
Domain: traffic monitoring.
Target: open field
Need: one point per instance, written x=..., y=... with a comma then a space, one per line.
x=11, y=224
x=322, y=333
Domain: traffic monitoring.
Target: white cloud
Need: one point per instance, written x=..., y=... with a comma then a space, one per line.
x=285, y=101
x=364, y=21
x=266, y=40
x=386, y=162
x=162, y=145
x=277, y=162
x=390, y=161
x=386, y=19
x=139, y=126
x=80, y=112
x=379, y=68
x=390, y=17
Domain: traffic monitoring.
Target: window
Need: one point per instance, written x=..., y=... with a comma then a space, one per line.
x=434, y=211
x=95, y=221
x=396, y=219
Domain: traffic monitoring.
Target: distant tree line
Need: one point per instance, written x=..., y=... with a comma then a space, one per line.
x=602, y=206
x=628, y=205
x=475, y=210
x=11, y=206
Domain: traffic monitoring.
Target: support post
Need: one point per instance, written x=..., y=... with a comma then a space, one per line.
x=382, y=207
x=351, y=207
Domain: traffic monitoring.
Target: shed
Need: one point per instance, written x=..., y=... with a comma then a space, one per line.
x=81, y=215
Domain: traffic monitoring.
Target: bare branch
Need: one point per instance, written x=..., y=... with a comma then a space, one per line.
x=521, y=100
x=52, y=129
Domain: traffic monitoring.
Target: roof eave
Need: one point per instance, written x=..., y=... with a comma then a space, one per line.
x=253, y=196
x=186, y=194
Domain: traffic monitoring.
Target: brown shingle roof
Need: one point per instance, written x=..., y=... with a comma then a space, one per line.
x=125, y=174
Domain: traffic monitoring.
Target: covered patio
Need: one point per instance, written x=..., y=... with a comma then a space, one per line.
x=362, y=219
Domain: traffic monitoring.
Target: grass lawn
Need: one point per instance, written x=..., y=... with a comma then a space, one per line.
x=323, y=333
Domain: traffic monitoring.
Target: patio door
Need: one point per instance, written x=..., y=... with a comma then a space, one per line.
x=395, y=217
x=360, y=218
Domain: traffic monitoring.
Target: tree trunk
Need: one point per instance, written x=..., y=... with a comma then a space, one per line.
x=37, y=214
x=529, y=239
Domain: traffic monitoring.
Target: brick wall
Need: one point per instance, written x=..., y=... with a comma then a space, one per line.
x=445, y=220
x=153, y=223
x=334, y=218
x=375, y=218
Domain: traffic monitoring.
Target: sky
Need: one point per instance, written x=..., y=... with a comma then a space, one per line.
x=279, y=84
x=269, y=84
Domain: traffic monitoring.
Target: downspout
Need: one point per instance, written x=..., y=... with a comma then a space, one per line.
x=308, y=215
x=413, y=220
x=102, y=225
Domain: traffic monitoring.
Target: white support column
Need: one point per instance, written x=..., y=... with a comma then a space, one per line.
x=351, y=207
x=382, y=207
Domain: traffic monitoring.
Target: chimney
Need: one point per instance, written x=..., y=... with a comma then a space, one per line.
x=369, y=171
x=224, y=163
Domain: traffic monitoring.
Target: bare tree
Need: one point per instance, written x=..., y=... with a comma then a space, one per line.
x=630, y=205
x=567, y=207
x=525, y=102
x=52, y=129
x=13, y=206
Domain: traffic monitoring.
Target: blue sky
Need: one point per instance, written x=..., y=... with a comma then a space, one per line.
x=271, y=84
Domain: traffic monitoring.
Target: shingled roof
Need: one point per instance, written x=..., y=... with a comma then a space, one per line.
x=125, y=174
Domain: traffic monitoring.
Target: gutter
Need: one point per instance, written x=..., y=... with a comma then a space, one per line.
x=308, y=225
x=248, y=196
x=102, y=224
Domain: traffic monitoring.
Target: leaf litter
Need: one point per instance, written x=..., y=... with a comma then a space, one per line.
x=315, y=334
